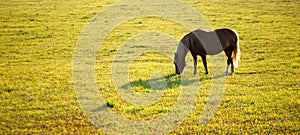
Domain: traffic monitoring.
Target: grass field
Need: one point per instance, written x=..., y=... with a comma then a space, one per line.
x=38, y=40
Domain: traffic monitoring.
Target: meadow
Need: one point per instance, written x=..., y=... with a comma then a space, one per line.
x=38, y=40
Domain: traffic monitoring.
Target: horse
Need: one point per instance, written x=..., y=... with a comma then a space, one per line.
x=202, y=42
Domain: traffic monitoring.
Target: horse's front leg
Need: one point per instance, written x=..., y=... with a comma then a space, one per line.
x=195, y=64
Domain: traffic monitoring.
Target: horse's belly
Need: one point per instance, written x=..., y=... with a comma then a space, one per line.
x=212, y=47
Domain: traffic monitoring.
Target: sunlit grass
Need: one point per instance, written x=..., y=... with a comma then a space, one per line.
x=38, y=39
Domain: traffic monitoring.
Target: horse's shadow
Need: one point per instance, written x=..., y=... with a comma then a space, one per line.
x=166, y=82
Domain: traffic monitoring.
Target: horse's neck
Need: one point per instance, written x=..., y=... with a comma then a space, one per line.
x=182, y=50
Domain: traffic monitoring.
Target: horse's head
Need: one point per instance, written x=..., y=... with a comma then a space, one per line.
x=179, y=63
x=176, y=69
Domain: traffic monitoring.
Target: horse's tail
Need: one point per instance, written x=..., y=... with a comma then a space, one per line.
x=237, y=52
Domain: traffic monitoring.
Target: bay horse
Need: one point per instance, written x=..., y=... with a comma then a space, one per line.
x=202, y=42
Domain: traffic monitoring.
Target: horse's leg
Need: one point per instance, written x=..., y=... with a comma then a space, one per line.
x=229, y=61
x=195, y=64
x=232, y=68
x=204, y=63
x=226, y=71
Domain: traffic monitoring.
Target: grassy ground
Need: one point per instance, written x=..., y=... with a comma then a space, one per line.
x=38, y=40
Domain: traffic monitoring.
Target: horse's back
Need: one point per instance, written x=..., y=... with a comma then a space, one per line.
x=208, y=40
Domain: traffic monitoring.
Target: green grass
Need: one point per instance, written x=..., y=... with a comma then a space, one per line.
x=38, y=39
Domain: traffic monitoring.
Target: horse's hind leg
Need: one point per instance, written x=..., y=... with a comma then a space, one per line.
x=229, y=61
x=204, y=63
x=232, y=68
x=228, y=64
